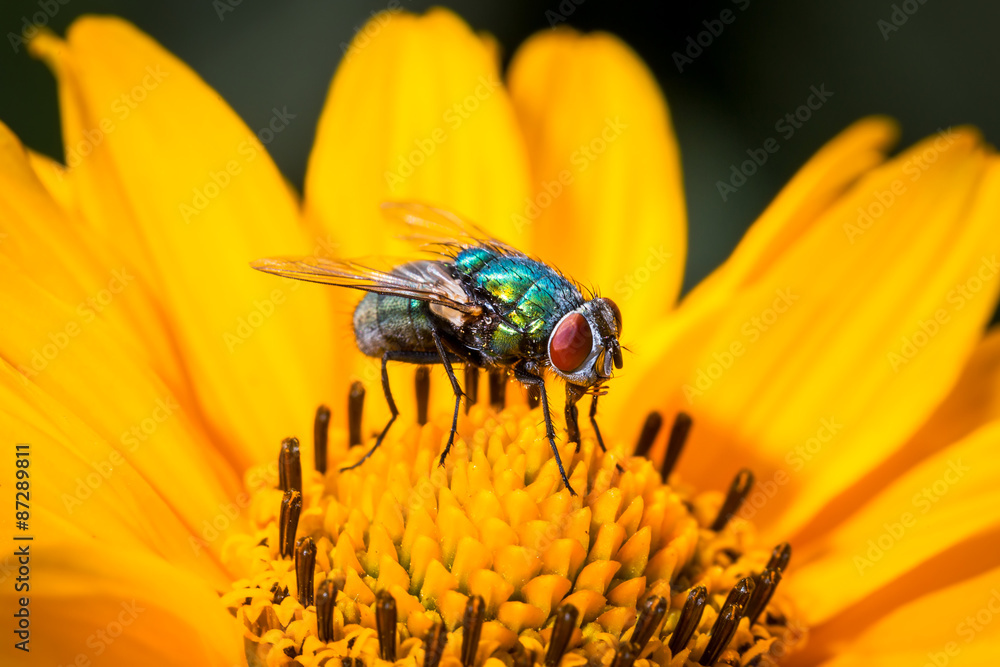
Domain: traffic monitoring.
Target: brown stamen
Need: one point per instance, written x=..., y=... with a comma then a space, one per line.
x=562, y=632
x=738, y=491
x=291, y=465
x=780, y=557
x=498, y=389
x=689, y=619
x=278, y=593
x=288, y=521
x=767, y=582
x=722, y=633
x=471, y=386
x=305, y=569
x=355, y=407
x=522, y=657
x=534, y=397
x=423, y=391
x=326, y=598
x=626, y=655
x=675, y=444
x=740, y=594
x=472, y=629
x=321, y=436
x=385, y=624
x=653, y=611
x=434, y=644
x=650, y=429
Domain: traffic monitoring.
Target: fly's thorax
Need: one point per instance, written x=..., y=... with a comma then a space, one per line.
x=522, y=299
x=583, y=348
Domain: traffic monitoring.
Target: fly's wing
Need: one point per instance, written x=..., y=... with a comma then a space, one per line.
x=432, y=227
x=423, y=280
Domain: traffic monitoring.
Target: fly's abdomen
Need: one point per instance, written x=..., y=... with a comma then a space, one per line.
x=392, y=323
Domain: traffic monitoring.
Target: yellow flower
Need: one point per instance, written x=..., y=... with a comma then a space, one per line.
x=150, y=373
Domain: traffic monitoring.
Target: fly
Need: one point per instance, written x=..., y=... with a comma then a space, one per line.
x=480, y=303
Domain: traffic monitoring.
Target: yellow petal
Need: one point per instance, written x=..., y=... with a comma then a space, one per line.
x=973, y=402
x=73, y=262
x=824, y=364
x=662, y=349
x=814, y=188
x=888, y=549
x=416, y=111
x=116, y=605
x=170, y=160
x=607, y=202
x=165, y=491
x=954, y=625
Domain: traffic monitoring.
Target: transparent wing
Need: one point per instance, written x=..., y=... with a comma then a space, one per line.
x=431, y=226
x=424, y=280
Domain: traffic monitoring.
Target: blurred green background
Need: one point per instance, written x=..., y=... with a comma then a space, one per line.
x=938, y=69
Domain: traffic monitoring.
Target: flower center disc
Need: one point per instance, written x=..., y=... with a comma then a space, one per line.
x=490, y=557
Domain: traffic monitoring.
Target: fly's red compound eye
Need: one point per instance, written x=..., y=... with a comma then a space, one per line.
x=570, y=343
x=617, y=313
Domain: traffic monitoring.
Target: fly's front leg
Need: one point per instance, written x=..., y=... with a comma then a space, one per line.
x=455, y=387
x=550, y=431
x=597, y=430
x=573, y=394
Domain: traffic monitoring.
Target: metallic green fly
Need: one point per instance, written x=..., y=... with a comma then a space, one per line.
x=484, y=304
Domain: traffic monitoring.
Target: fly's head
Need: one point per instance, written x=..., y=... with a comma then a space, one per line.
x=583, y=348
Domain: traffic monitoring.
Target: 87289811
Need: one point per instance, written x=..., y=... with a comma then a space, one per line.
x=22, y=494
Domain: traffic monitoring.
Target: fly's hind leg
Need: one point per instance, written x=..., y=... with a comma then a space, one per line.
x=392, y=355
x=455, y=387
x=527, y=378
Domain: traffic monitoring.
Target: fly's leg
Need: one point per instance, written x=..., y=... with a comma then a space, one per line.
x=597, y=430
x=550, y=431
x=455, y=387
x=471, y=386
x=411, y=357
x=573, y=394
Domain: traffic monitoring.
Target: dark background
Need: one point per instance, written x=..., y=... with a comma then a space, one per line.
x=938, y=69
